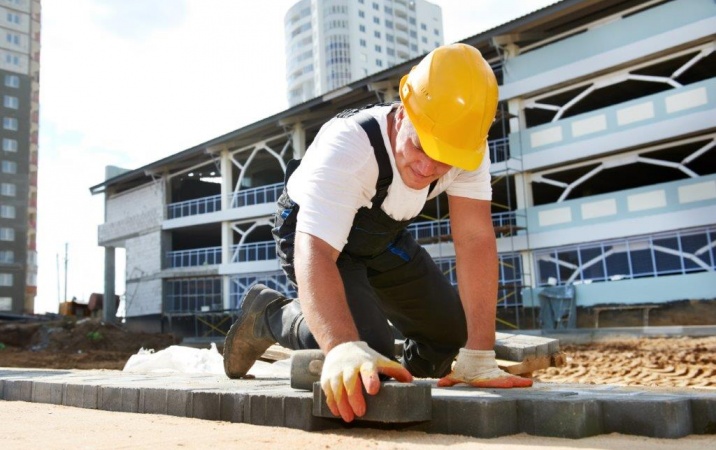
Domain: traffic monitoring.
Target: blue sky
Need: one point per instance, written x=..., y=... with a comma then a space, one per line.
x=127, y=82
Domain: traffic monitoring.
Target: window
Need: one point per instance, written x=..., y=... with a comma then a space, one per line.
x=423, y=26
x=411, y=20
x=9, y=145
x=376, y=20
x=413, y=34
x=11, y=102
x=361, y=28
x=378, y=48
x=376, y=34
x=9, y=123
x=13, y=18
x=7, y=256
x=8, y=189
x=379, y=62
x=13, y=60
x=390, y=51
x=389, y=24
x=7, y=212
x=5, y=279
x=12, y=81
x=437, y=33
x=9, y=167
x=5, y=303
x=413, y=47
x=12, y=38
x=424, y=39
x=376, y=6
x=361, y=14
x=389, y=38
x=7, y=234
x=388, y=10
x=362, y=43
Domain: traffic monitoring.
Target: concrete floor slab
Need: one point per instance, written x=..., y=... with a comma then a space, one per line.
x=563, y=410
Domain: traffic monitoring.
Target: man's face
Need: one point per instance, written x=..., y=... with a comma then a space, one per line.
x=416, y=168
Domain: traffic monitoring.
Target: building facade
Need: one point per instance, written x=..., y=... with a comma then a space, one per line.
x=603, y=163
x=330, y=43
x=19, y=90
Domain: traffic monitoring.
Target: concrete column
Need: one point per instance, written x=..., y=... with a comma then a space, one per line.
x=109, y=306
x=227, y=186
x=227, y=242
x=298, y=137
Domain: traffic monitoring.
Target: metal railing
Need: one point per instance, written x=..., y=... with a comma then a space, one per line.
x=254, y=196
x=193, y=258
x=499, y=149
x=254, y=251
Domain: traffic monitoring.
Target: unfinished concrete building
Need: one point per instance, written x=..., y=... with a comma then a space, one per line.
x=604, y=175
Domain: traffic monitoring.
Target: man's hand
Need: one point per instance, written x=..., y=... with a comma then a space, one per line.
x=478, y=368
x=341, y=383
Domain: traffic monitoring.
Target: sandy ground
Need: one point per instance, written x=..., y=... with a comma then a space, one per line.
x=32, y=425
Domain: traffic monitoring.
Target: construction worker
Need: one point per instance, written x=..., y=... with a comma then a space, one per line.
x=341, y=238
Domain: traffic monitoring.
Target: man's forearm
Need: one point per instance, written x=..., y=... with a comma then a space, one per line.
x=477, y=272
x=321, y=292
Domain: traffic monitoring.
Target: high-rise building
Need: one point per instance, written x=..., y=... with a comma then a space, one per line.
x=19, y=92
x=330, y=43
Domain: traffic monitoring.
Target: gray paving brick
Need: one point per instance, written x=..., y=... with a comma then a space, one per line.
x=232, y=407
x=703, y=413
x=17, y=390
x=395, y=403
x=206, y=405
x=482, y=417
x=52, y=393
x=571, y=417
x=81, y=396
x=255, y=412
x=153, y=401
x=653, y=416
x=179, y=402
x=298, y=414
x=119, y=398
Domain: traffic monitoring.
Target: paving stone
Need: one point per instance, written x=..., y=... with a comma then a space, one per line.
x=395, y=403
x=118, y=398
x=179, y=402
x=232, y=407
x=298, y=413
x=153, y=401
x=703, y=413
x=17, y=390
x=571, y=417
x=648, y=415
x=81, y=396
x=476, y=417
x=52, y=393
x=206, y=405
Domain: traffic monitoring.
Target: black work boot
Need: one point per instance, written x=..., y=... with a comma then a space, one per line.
x=250, y=335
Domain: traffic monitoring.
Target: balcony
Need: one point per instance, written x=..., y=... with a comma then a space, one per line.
x=681, y=111
x=205, y=205
x=194, y=258
x=650, y=209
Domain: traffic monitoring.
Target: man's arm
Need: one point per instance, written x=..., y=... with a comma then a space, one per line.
x=477, y=274
x=319, y=280
x=350, y=364
x=477, y=269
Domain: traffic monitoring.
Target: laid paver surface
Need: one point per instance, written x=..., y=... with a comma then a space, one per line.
x=547, y=409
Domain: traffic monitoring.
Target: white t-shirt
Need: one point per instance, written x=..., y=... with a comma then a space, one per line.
x=338, y=174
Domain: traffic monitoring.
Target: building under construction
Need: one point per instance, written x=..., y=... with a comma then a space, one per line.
x=603, y=166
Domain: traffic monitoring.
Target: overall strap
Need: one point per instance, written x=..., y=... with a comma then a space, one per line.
x=385, y=170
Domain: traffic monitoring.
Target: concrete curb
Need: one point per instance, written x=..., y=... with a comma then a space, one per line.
x=557, y=410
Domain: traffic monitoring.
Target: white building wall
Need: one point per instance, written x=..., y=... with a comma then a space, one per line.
x=134, y=212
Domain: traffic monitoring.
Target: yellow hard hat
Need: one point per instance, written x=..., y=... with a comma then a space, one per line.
x=451, y=99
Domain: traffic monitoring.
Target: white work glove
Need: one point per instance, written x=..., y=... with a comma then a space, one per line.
x=340, y=381
x=478, y=368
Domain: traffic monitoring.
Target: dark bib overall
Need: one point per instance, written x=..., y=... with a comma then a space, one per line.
x=387, y=276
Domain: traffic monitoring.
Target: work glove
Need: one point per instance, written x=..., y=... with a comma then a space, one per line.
x=478, y=368
x=341, y=383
